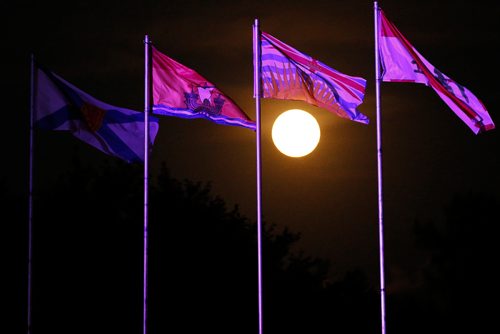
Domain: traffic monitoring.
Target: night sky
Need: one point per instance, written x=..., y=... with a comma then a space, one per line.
x=330, y=196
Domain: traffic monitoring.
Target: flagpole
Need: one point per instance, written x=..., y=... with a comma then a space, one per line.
x=147, y=107
x=30, y=191
x=257, y=89
x=379, y=171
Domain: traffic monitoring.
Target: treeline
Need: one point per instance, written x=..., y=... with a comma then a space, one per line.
x=88, y=260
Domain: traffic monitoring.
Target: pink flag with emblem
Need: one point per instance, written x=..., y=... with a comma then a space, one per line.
x=289, y=74
x=180, y=91
x=402, y=63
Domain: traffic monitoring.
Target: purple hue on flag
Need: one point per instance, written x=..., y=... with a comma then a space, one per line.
x=402, y=63
x=115, y=131
x=180, y=91
x=288, y=74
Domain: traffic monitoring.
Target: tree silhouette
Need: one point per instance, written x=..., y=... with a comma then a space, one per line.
x=13, y=260
x=88, y=249
x=459, y=278
x=206, y=268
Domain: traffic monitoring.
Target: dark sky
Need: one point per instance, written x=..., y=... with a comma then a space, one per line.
x=329, y=196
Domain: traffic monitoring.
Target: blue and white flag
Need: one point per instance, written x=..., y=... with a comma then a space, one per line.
x=60, y=106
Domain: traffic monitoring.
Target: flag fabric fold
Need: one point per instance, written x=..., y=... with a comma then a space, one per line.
x=401, y=62
x=288, y=74
x=60, y=106
x=181, y=92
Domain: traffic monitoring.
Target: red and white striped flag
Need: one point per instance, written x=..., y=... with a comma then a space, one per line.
x=402, y=63
x=288, y=74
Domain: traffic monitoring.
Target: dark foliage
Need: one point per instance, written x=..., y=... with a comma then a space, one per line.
x=459, y=281
x=202, y=260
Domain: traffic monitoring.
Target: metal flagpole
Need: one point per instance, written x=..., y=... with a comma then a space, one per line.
x=30, y=191
x=147, y=106
x=256, y=92
x=379, y=169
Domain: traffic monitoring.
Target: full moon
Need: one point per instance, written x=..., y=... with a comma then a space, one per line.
x=295, y=133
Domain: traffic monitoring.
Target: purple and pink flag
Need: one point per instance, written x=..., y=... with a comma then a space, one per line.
x=180, y=91
x=288, y=74
x=402, y=63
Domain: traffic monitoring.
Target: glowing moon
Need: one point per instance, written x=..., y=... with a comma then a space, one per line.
x=295, y=133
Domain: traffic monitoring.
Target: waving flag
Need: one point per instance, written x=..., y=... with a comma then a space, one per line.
x=288, y=74
x=115, y=131
x=402, y=63
x=180, y=91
